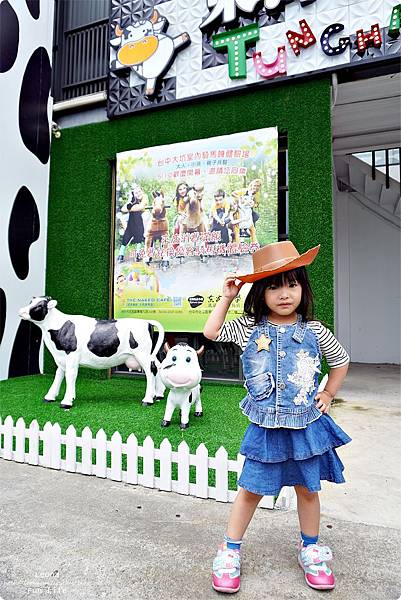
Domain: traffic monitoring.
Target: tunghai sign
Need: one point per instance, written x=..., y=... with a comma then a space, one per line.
x=178, y=50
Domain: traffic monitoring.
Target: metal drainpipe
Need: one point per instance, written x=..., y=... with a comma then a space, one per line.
x=80, y=101
x=334, y=94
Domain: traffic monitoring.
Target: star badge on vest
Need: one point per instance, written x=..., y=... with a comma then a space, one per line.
x=263, y=343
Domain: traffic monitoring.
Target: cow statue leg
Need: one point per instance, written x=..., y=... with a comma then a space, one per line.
x=196, y=399
x=185, y=408
x=55, y=386
x=159, y=387
x=71, y=372
x=168, y=413
x=150, y=86
x=150, y=371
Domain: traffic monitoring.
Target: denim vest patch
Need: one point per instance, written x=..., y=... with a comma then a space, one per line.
x=281, y=373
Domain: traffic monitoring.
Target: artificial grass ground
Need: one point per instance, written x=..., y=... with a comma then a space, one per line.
x=115, y=405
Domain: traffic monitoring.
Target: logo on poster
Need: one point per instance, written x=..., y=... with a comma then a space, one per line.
x=195, y=301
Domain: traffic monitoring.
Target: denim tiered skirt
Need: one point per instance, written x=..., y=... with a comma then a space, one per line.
x=280, y=457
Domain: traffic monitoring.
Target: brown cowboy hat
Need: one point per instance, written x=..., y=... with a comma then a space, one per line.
x=277, y=258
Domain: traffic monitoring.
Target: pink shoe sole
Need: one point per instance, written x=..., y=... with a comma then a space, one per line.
x=225, y=590
x=231, y=585
x=323, y=586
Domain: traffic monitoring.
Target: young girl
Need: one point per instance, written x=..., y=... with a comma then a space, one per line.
x=181, y=201
x=291, y=439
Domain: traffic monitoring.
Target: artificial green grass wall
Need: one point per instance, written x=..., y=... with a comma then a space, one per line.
x=79, y=218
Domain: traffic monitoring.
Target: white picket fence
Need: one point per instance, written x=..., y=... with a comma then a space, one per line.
x=94, y=454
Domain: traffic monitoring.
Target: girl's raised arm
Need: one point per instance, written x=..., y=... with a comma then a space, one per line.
x=218, y=314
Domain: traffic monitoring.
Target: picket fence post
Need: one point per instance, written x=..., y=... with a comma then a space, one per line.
x=116, y=455
x=183, y=468
x=221, y=462
x=71, y=449
x=47, y=444
x=165, y=482
x=132, y=459
x=55, y=452
x=100, y=469
x=8, y=438
x=86, y=445
x=202, y=472
x=33, y=438
x=20, y=441
x=148, y=462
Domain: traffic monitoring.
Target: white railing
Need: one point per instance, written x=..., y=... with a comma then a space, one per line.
x=55, y=450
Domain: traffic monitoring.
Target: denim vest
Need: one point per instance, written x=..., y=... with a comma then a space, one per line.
x=282, y=381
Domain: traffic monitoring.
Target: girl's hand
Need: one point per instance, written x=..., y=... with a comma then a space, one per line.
x=230, y=288
x=323, y=401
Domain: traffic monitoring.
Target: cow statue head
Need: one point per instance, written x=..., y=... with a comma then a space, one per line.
x=38, y=309
x=180, y=369
x=139, y=31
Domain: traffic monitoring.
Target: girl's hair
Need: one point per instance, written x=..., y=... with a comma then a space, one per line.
x=177, y=195
x=256, y=307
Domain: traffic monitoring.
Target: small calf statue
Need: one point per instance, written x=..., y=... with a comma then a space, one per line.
x=75, y=340
x=181, y=373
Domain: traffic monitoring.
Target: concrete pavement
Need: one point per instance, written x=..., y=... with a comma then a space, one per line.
x=70, y=537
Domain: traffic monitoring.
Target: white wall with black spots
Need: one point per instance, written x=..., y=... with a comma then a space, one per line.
x=26, y=39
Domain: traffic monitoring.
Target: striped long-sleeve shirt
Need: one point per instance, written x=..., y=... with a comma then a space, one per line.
x=239, y=331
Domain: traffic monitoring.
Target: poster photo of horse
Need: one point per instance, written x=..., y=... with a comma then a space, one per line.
x=185, y=214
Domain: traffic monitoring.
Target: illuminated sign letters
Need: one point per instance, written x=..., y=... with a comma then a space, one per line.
x=235, y=41
x=227, y=9
x=249, y=42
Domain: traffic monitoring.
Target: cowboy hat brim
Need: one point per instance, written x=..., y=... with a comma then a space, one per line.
x=291, y=263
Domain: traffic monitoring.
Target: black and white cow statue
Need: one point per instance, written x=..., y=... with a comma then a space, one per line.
x=181, y=373
x=75, y=340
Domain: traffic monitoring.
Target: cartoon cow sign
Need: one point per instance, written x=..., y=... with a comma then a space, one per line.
x=75, y=340
x=181, y=373
x=146, y=48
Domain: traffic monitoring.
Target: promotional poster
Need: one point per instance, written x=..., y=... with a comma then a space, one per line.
x=186, y=214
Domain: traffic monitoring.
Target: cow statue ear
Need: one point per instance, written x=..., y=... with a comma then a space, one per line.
x=52, y=304
x=200, y=351
x=166, y=347
x=155, y=16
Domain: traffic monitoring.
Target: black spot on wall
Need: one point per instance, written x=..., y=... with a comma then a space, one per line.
x=132, y=341
x=104, y=338
x=64, y=338
x=3, y=310
x=25, y=353
x=23, y=230
x=33, y=121
x=33, y=7
x=9, y=36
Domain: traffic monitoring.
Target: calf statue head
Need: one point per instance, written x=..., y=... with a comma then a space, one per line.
x=180, y=368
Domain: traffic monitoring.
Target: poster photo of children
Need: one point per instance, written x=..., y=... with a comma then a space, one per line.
x=186, y=213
